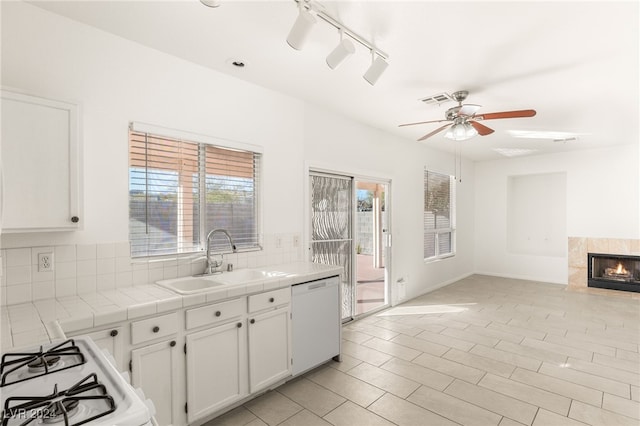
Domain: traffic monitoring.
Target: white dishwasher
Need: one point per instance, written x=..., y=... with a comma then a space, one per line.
x=316, y=323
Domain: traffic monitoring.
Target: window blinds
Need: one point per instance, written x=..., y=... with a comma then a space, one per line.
x=179, y=190
x=438, y=218
x=232, y=179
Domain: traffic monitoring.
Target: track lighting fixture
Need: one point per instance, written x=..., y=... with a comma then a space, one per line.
x=340, y=53
x=305, y=21
x=378, y=65
x=210, y=3
x=301, y=28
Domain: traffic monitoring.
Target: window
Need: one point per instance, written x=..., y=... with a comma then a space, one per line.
x=439, y=215
x=180, y=189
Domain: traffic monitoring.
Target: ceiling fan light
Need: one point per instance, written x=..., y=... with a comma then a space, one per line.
x=301, y=29
x=470, y=131
x=375, y=70
x=340, y=53
x=460, y=132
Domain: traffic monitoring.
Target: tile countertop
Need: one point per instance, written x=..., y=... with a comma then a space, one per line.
x=43, y=321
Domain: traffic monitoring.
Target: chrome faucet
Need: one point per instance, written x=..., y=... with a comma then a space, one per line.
x=214, y=266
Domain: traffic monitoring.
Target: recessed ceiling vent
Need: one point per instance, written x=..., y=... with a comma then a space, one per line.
x=437, y=99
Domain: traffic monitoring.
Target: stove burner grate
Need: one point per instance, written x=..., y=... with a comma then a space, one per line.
x=42, y=363
x=66, y=407
x=59, y=406
x=60, y=357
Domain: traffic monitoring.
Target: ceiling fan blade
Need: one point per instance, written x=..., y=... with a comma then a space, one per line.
x=422, y=122
x=481, y=128
x=506, y=114
x=438, y=130
x=468, y=109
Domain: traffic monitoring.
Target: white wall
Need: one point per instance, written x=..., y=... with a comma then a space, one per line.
x=116, y=81
x=603, y=199
x=536, y=214
x=340, y=144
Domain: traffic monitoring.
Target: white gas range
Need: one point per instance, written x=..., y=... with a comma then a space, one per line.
x=68, y=383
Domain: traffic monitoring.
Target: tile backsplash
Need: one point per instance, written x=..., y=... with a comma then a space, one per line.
x=89, y=268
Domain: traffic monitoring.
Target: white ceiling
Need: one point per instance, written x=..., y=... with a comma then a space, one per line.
x=576, y=63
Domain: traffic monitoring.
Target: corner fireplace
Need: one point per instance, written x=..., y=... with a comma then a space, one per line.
x=614, y=271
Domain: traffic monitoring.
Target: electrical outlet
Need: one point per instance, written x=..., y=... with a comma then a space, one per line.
x=278, y=241
x=402, y=288
x=45, y=262
x=296, y=241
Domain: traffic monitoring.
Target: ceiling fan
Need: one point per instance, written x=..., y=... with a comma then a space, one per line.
x=463, y=122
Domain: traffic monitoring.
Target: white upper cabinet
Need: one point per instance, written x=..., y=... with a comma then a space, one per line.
x=40, y=164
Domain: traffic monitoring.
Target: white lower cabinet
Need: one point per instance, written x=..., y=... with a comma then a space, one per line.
x=269, y=348
x=195, y=363
x=110, y=340
x=239, y=354
x=216, y=368
x=154, y=368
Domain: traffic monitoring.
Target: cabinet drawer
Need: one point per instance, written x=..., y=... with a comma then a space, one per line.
x=269, y=299
x=215, y=313
x=153, y=328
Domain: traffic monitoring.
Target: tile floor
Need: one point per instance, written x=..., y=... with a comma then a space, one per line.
x=481, y=351
x=370, y=289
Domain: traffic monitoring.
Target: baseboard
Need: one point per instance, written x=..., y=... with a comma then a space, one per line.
x=435, y=287
x=463, y=276
x=517, y=277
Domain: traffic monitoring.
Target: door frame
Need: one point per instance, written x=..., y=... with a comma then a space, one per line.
x=356, y=175
x=385, y=244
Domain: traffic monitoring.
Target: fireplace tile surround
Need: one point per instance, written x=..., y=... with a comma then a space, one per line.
x=579, y=247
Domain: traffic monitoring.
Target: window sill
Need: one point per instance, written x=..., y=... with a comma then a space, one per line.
x=193, y=256
x=439, y=258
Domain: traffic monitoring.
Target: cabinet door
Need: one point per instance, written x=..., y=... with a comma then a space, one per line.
x=154, y=369
x=111, y=340
x=40, y=164
x=216, y=368
x=269, y=348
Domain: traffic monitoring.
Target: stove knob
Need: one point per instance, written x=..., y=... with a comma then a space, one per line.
x=150, y=407
x=126, y=377
x=140, y=393
x=109, y=357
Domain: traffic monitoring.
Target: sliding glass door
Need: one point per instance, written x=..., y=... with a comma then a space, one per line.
x=332, y=229
x=371, y=239
x=350, y=228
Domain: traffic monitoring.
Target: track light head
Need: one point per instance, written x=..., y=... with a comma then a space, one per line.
x=305, y=22
x=340, y=53
x=210, y=3
x=301, y=29
x=376, y=69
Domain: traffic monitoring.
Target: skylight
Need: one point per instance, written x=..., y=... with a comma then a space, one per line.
x=514, y=152
x=542, y=134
